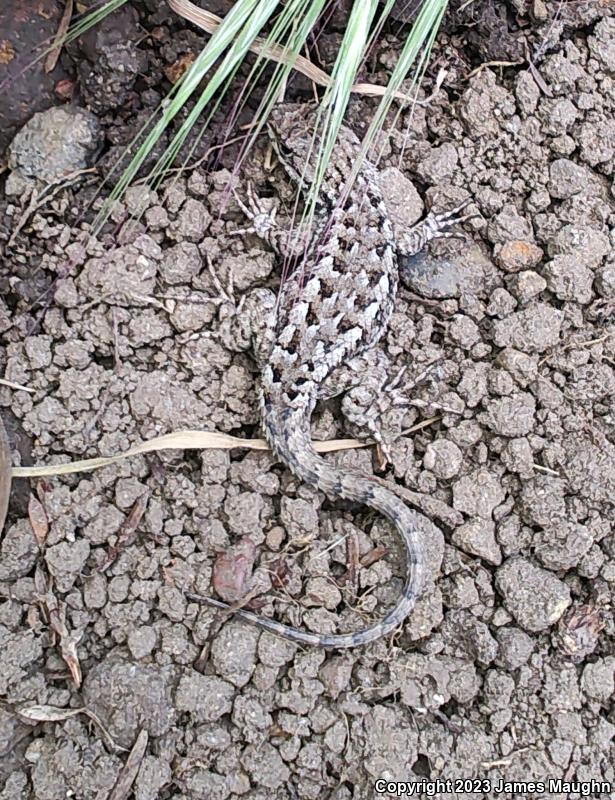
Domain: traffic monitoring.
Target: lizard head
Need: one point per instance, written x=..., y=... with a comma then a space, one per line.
x=295, y=131
x=291, y=130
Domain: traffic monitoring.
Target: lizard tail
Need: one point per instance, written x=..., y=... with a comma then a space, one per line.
x=288, y=431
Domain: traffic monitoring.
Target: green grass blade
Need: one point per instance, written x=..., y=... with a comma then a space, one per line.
x=241, y=25
x=290, y=31
x=90, y=19
x=418, y=45
x=335, y=102
x=225, y=72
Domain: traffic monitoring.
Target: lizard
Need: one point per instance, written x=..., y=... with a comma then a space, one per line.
x=317, y=339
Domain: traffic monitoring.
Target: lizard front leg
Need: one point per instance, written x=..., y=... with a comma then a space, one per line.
x=434, y=226
x=290, y=243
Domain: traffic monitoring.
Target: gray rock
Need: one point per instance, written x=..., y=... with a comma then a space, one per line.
x=65, y=562
x=56, y=143
x=558, y=115
x=443, y=458
x=535, y=597
x=181, y=263
x=526, y=285
x=569, y=279
x=233, y=652
x=128, y=697
x=477, y=538
x=605, y=281
x=18, y=552
x=141, y=641
x=541, y=501
x=532, y=330
x=515, y=648
x=522, y=367
x=512, y=416
x=566, y=178
x=403, y=201
x=205, y=697
x=561, y=547
x=589, y=245
x=439, y=278
x=516, y=255
x=478, y=494
x=439, y=164
x=602, y=44
x=463, y=331
x=527, y=92
x=598, y=679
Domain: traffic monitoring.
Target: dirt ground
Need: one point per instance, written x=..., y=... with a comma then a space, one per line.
x=506, y=670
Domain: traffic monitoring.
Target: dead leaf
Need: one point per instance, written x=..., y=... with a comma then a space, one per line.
x=5, y=474
x=373, y=555
x=68, y=649
x=280, y=572
x=179, y=440
x=126, y=778
x=38, y=520
x=176, y=70
x=43, y=713
x=233, y=570
x=7, y=51
x=579, y=630
x=64, y=90
x=56, y=615
x=48, y=713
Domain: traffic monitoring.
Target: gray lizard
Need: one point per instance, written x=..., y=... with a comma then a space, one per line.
x=317, y=339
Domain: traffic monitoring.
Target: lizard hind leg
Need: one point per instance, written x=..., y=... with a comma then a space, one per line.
x=371, y=397
x=371, y=409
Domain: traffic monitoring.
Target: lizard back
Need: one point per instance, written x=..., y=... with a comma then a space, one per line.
x=338, y=302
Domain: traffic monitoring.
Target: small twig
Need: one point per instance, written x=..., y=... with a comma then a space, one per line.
x=17, y=386
x=503, y=762
x=58, y=42
x=589, y=342
x=99, y=412
x=127, y=531
x=328, y=549
x=38, y=199
x=549, y=471
x=352, y=549
x=372, y=556
x=487, y=64
x=540, y=82
x=420, y=425
x=116, y=342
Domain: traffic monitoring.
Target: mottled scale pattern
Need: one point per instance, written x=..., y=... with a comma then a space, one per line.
x=336, y=305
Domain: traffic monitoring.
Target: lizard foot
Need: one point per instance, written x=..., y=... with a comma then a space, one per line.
x=434, y=226
x=226, y=294
x=444, y=220
x=262, y=218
